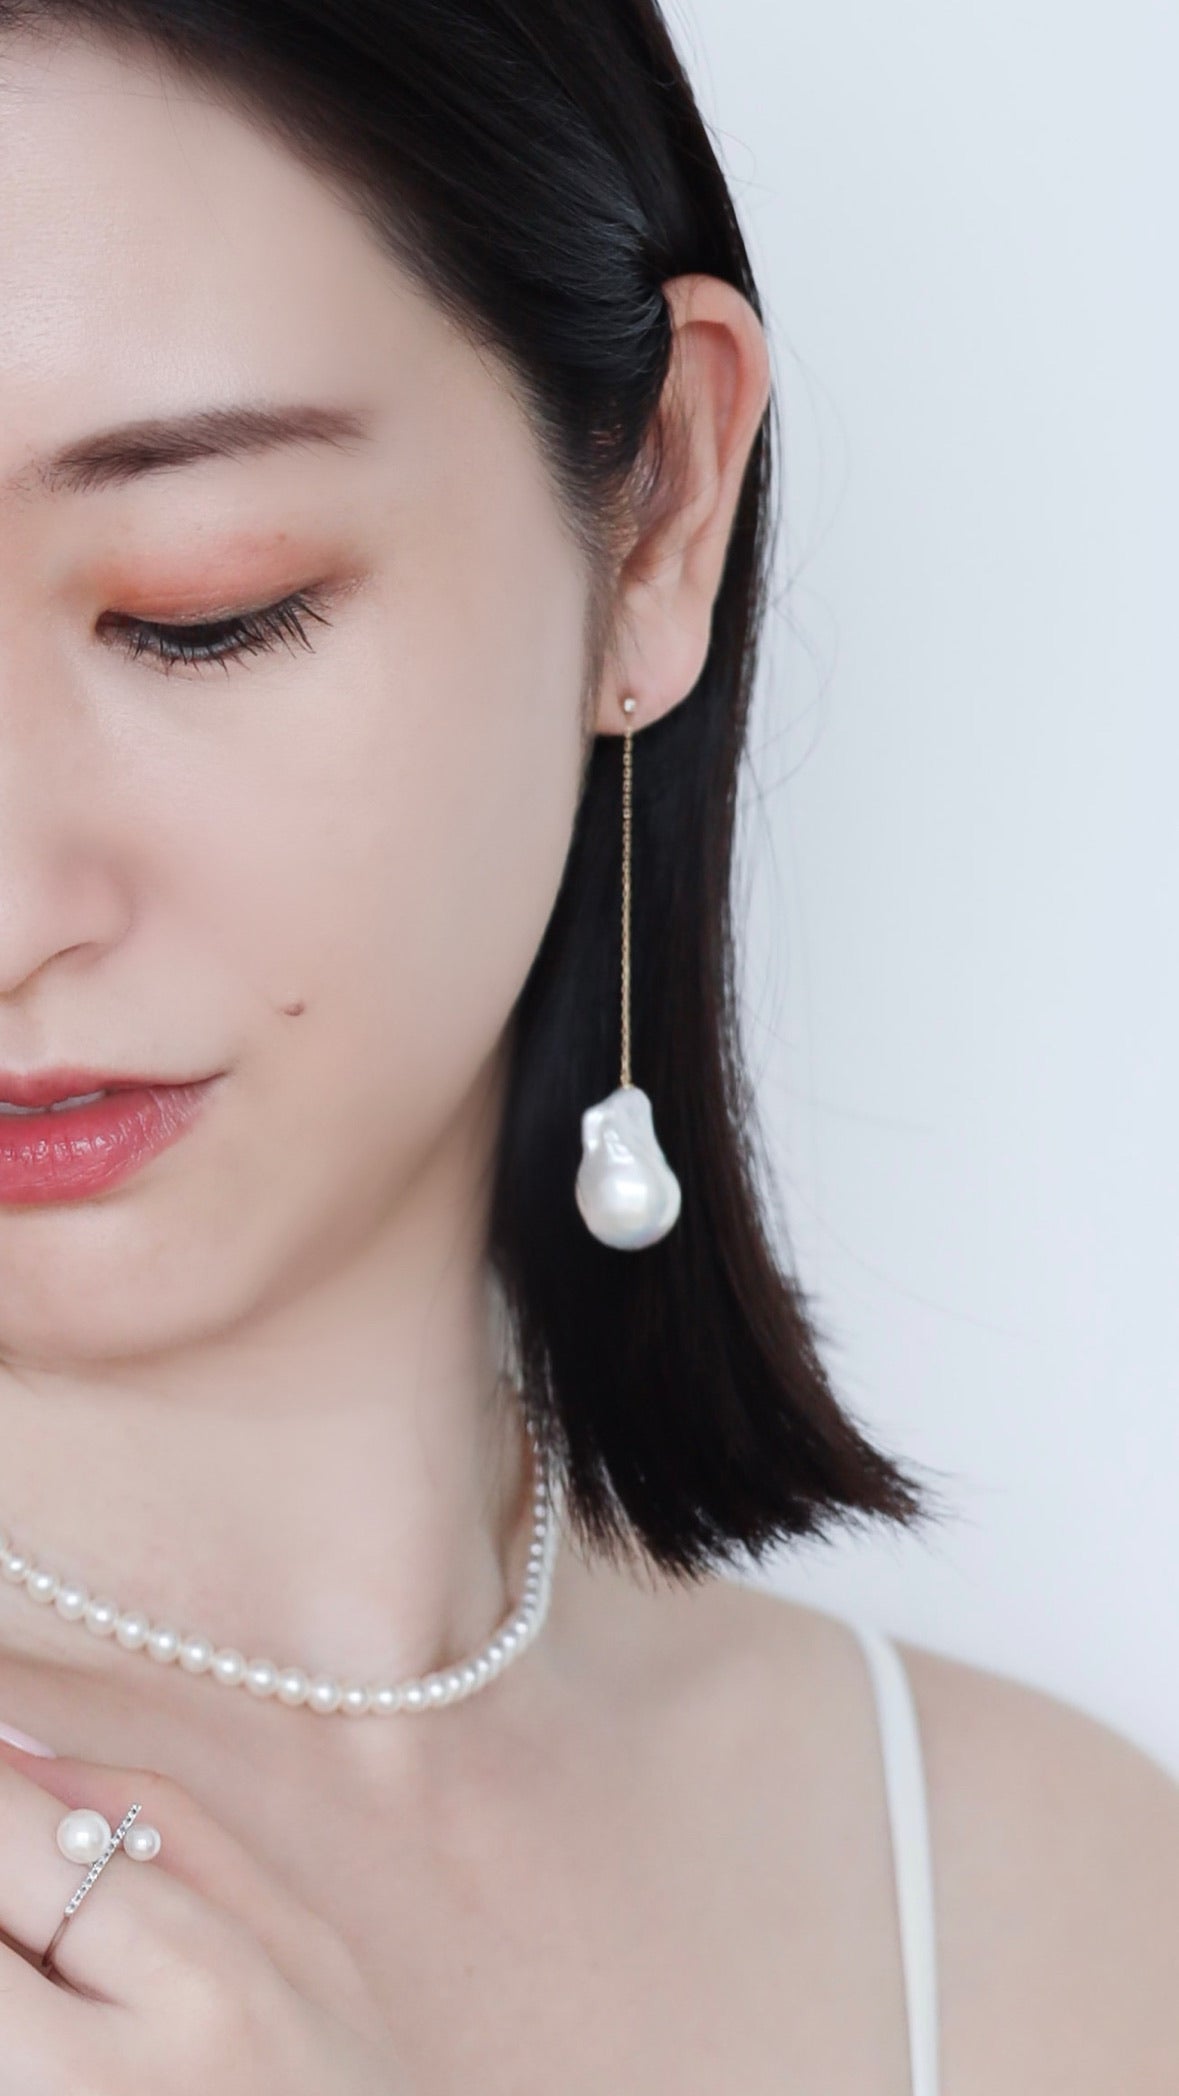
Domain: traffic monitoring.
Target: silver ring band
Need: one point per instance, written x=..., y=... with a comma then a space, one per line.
x=91, y=1877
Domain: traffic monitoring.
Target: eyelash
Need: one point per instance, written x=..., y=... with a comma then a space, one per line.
x=222, y=640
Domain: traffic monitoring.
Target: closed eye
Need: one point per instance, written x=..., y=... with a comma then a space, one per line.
x=220, y=640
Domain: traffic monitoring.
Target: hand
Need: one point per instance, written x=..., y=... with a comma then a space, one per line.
x=197, y=1971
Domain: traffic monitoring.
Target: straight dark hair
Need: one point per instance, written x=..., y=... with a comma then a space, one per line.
x=541, y=171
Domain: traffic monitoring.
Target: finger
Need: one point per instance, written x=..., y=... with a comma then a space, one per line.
x=119, y=1929
x=203, y=1896
x=47, y=2033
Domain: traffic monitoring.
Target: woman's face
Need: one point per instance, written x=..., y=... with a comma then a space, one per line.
x=323, y=870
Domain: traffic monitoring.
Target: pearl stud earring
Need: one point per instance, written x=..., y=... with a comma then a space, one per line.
x=626, y=1192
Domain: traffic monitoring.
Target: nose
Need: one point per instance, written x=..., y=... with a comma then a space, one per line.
x=61, y=891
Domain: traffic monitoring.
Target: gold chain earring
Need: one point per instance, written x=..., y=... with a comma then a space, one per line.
x=626, y=1191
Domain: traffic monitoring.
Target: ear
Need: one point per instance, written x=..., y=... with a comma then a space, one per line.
x=715, y=397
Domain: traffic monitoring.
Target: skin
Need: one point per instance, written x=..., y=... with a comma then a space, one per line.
x=249, y=1388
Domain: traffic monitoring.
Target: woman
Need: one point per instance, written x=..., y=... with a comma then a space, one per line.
x=386, y=514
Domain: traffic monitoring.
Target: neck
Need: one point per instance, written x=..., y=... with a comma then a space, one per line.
x=340, y=1485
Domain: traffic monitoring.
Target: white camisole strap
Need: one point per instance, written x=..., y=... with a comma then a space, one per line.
x=904, y=1774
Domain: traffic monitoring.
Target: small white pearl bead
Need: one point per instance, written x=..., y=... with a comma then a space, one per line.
x=323, y=1694
x=385, y=1699
x=71, y=1600
x=413, y=1696
x=196, y=1654
x=229, y=1666
x=482, y=1665
x=436, y=1689
x=131, y=1629
x=262, y=1677
x=101, y=1616
x=16, y=1566
x=41, y=1585
x=508, y=1639
x=163, y=1643
x=141, y=1843
x=292, y=1687
x=83, y=1835
x=354, y=1700
x=469, y=1675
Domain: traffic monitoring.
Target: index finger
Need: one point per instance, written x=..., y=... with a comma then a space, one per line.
x=36, y=1881
x=203, y=1885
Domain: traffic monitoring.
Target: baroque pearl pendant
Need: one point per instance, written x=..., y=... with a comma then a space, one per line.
x=626, y=1191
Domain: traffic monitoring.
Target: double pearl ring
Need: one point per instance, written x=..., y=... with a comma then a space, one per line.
x=85, y=1836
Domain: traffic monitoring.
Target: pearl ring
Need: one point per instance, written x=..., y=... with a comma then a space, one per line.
x=84, y=1836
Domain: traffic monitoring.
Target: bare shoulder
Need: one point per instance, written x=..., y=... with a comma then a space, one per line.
x=1055, y=1847
x=1054, y=1838
x=1056, y=1857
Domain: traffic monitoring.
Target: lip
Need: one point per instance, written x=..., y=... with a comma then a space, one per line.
x=67, y=1081
x=85, y=1149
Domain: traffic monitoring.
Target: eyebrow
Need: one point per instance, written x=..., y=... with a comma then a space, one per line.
x=111, y=458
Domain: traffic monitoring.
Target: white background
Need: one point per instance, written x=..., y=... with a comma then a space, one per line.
x=960, y=992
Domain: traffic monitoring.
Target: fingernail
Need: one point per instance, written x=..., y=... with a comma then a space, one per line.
x=17, y=1738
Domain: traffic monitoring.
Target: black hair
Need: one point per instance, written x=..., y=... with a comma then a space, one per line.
x=542, y=171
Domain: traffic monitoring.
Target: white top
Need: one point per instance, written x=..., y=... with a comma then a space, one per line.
x=904, y=1776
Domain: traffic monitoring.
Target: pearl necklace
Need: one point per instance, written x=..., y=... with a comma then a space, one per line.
x=293, y=1685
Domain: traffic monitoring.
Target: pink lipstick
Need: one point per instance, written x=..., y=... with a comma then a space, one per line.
x=57, y=1151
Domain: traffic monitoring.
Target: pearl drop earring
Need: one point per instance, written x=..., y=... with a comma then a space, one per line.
x=626, y=1191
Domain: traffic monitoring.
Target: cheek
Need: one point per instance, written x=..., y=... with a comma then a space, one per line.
x=403, y=851
x=423, y=924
